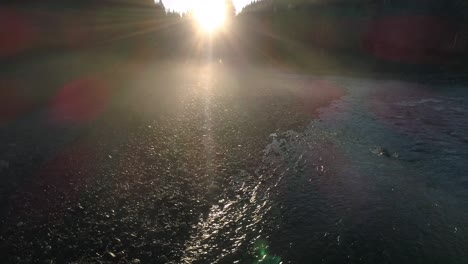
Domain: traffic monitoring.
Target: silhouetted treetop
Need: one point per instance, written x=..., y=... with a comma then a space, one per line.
x=230, y=9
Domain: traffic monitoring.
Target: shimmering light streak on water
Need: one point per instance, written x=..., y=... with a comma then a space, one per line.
x=205, y=86
x=236, y=221
x=262, y=254
x=380, y=177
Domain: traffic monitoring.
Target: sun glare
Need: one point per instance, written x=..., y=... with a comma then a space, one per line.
x=210, y=14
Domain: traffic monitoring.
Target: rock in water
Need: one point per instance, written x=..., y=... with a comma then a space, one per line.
x=381, y=151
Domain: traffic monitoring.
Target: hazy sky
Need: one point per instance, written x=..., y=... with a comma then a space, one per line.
x=183, y=5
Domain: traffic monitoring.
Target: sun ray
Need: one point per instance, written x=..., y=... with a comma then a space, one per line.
x=210, y=14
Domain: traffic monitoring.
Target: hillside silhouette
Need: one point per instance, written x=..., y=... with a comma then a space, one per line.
x=391, y=33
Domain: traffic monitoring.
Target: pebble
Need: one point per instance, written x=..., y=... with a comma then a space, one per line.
x=163, y=259
x=110, y=255
x=19, y=224
x=183, y=226
x=136, y=261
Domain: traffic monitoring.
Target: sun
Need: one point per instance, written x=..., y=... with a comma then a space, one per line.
x=210, y=14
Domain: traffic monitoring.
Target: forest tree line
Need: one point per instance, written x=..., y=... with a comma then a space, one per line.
x=414, y=32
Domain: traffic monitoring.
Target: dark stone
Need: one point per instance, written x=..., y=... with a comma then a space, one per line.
x=162, y=259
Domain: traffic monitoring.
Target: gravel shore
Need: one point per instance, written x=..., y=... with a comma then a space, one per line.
x=127, y=179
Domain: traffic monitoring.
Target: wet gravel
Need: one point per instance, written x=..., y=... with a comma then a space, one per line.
x=130, y=184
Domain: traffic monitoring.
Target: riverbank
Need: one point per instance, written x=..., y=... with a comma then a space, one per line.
x=126, y=175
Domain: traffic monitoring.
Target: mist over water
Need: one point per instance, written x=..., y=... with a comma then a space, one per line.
x=130, y=133
x=376, y=178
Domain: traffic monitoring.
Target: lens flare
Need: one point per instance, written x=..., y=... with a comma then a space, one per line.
x=210, y=14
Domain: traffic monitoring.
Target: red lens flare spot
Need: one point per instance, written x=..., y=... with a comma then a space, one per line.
x=67, y=172
x=406, y=107
x=17, y=33
x=80, y=101
x=409, y=39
